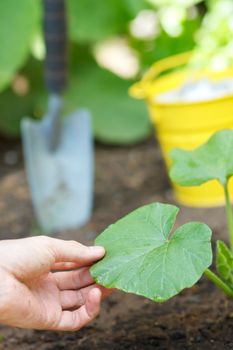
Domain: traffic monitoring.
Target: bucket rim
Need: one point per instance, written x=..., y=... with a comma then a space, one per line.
x=152, y=100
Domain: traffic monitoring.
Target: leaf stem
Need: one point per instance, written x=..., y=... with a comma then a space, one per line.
x=216, y=280
x=229, y=214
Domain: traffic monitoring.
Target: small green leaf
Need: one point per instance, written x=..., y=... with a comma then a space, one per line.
x=143, y=258
x=224, y=263
x=212, y=160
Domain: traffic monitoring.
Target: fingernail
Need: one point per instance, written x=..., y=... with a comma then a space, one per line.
x=98, y=250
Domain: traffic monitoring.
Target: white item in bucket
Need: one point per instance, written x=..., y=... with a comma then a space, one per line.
x=196, y=91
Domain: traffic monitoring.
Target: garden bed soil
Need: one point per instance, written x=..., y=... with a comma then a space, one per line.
x=126, y=178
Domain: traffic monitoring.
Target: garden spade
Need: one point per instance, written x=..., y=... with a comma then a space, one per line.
x=58, y=151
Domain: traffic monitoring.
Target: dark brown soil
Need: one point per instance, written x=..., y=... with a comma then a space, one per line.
x=199, y=318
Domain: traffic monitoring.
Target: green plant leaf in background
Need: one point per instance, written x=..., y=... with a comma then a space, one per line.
x=165, y=46
x=18, y=21
x=213, y=160
x=13, y=108
x=224, y=263
x=92, y=20
x=134, y=6
x=142, y=256
x=117, y=118
x=16, y=105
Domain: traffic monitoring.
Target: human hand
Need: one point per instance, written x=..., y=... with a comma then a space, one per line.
x=34, y=295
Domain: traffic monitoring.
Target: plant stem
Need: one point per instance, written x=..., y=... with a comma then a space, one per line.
x=216, y=280
x=229, y=214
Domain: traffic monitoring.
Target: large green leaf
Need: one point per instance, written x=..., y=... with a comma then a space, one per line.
x=118, y=119
x=142, y=256
x=213, y=160
x=18, y=20
x=91, y=20
x=224, y=263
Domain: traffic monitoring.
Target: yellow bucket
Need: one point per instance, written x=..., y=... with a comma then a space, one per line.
x=186, y=124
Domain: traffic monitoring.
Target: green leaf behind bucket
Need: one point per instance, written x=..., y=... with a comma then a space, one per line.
x=117, y=118
x=212, y=160
x=142, y=256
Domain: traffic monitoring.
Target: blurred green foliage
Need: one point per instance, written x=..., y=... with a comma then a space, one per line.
x=215, y=37
x=17, y=24
x=117, y=118
x=92, y=20
x=151, y=29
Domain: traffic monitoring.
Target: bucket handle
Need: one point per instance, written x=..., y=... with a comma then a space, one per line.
x=139, y=90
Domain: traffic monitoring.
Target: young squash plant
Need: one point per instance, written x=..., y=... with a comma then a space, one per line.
x=143, y=255
x=211, y=161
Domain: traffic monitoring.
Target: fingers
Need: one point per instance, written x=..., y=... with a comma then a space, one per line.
x=74, y=320
x=71, y=299
x=72, y=251
x=31, y=257
x=62, y=266
x=73, y=279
